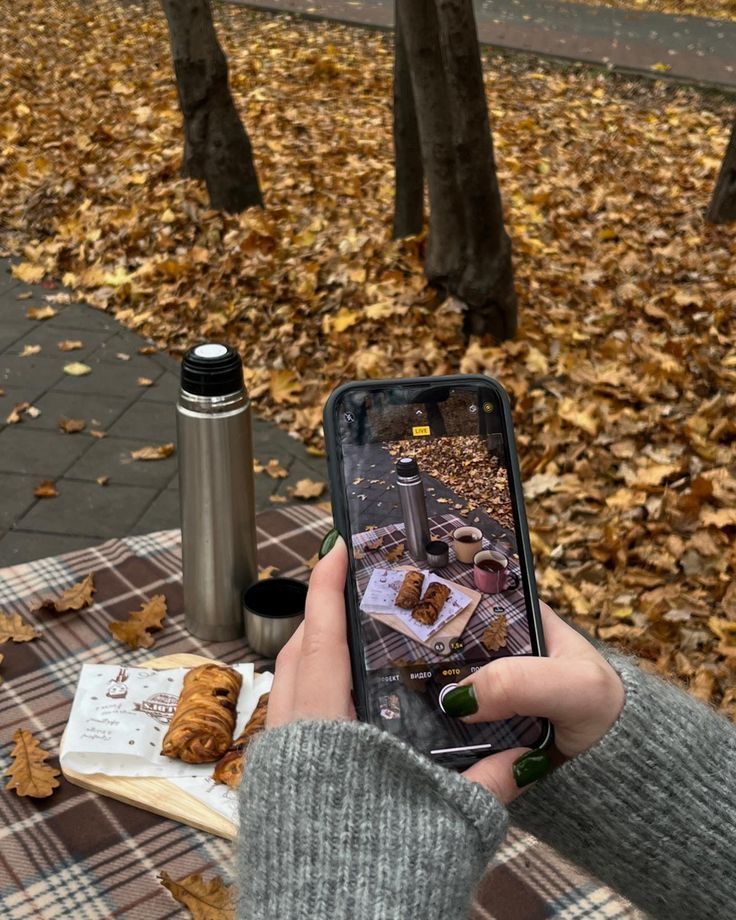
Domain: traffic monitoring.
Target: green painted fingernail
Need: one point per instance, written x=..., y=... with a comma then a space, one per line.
x=530, y=767
x=328, y=542
x=460, y=701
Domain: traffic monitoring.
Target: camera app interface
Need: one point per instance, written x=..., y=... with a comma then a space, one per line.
x=435, y=560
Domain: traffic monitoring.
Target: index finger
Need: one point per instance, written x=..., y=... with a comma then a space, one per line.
x=323, y=681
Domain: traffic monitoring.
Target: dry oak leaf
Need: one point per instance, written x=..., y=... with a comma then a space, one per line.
x=145, y=382
x=13, y=626
x=16, y=414
x=97, y=434
x=28, y=773
x=496, y=635
x=102, y=480
x=76, y=597
x=212, y=900
x=29, y=351
x=46, y=489
x=153, y=453
x=70, y=344
x=571, y=412
x=308, y=488
x=41, y=312
x=72, y=425
x=33, y=412
x=133, y=631
x=77, y=369
x=278, y=499
x=374, y=544
x=395, y=554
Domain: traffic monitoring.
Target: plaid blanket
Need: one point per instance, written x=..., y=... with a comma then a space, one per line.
x=78, y=854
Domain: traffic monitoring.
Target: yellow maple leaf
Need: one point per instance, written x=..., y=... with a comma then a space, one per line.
x=285, y=386
x=29, y=272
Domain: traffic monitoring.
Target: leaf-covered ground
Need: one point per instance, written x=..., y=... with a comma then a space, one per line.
x=712, y=9
x=623, y=374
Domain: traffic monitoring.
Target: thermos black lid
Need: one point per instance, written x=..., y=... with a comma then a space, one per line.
x=211, y=369
x=407, y=466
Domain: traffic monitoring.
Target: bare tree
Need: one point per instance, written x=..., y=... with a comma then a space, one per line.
x=723, y=204
x=409, y=174
x=216, y=145
x=469, y=251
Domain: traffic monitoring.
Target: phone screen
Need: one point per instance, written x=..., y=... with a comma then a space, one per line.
x=438, y=580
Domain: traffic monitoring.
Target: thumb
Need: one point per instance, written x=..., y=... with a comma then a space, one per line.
x=495, y=773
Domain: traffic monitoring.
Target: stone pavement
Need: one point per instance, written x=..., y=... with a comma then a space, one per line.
x=689, y=48
x=140, y=496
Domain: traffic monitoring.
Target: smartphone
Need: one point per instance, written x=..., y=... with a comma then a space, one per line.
x=426, y=491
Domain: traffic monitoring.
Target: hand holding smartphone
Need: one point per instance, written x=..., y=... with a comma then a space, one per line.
x=426, y=491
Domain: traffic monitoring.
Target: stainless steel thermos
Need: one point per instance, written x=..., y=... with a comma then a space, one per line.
x=413, y=507
x=218, y=530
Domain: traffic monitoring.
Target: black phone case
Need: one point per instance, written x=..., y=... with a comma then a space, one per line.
x=340, y=518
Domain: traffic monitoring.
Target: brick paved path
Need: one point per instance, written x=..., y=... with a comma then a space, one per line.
x=140, y=496
x=697, y=50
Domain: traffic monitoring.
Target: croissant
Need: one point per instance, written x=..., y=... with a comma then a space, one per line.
x=410, y=590
x=430, y=606
x=229, y=769
x=202, y=726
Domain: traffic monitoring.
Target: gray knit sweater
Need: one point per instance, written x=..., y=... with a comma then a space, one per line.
x=341, y=820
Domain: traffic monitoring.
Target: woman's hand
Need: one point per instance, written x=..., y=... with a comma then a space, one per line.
x=574, y=687
x=312, y=678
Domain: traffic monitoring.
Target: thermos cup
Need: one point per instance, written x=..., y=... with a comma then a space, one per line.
x=218, y=530
x=413, y=507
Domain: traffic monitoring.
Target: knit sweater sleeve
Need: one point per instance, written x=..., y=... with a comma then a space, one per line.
x=339, y=819
x=651, y=808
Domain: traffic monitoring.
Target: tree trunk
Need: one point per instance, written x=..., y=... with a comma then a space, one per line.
x=216, y=146
x=487, y=282
x=409, y=174
x=723, y=204
x=419, y=29
x=469, y=252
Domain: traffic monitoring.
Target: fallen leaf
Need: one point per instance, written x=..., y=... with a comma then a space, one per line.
x=77, y=369
x=29, y=350
x=76, y=597
x=571, y=411
x=148, y=350
x=496, y=635
x=46, y=489
x=656, y=473
x=395, y=554
x=134, y=631
x=70, y=345
x=102, y=480
x=16, y=414
x=28, y=272
x=33, y=412
x=153, y=453
x=308, y=488
x=660, y=67
x=211, y=900
x=145, y=382
x=266, y=572
x=41, y=312
x=29, y=774
x=72, y=425
x=274, y=469
x=284, y=386
x=278, y=499
x=13, y=626
x=25, y=295
x=725, y=517
x=374, y=544
x=122, y=356
x=98, y=434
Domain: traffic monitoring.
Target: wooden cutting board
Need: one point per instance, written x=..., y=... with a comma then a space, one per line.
x=152, y=793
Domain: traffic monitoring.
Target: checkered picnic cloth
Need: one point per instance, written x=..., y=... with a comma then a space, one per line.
x=385, y=644
x=81, y=855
